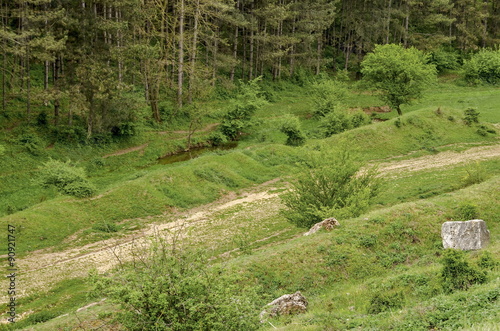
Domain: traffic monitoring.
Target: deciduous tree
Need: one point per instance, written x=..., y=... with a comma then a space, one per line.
x=398, y=74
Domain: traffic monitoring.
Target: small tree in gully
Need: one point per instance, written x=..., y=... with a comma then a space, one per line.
x=399, y=74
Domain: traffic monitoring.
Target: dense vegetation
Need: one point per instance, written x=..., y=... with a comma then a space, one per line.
x=101, y=98
x=90, y=68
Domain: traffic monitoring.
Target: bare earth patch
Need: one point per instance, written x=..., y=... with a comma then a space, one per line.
x=443, y=159
x=126, y=151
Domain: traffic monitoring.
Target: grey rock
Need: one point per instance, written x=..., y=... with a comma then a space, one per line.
x=468, y=235
x=285, y=305
x=327, y=224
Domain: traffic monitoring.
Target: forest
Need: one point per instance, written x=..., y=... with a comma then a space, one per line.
x=79, y=63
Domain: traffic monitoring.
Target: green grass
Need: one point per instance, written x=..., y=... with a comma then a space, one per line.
x=393, y=247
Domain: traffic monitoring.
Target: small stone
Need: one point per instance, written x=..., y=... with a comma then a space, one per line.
x=327, y=224
x=285, y=305
x=468, y=235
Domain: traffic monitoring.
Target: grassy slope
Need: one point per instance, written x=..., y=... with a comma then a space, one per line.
x=149, y=192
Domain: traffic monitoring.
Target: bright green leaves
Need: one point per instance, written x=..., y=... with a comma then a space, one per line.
x=399, y=74
x=332, y=185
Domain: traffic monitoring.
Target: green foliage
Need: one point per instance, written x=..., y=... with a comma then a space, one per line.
x=175, y=289
x=444, y=59
x=487, y=262
x=474, y=174
x=471, y=115
x=483, y=67
x=330, y=186
x=399, y=74
x=327, y=96
x=68, y=178
x=335, y=122
x=246, y=103
x=105, y=227
x=291, y=127
x=359, y=118
x=217, y=138
x=466, y=211
x=457, y=273
x=385, y=301
x=2, y=150
x=32, y=142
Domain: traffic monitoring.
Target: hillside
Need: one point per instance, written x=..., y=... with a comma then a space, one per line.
x=226, y=203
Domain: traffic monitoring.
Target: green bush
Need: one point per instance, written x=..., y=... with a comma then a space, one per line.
x=175, y=289
x=32, y=143
x=483, y=67
x=471, y=116
x=487, y=262
x=444, y=59
x=329, y=186
x=385, y=301
x=327, y=96
x=335, y=122
x=359, y=118
x=67, y=178
x=79, y=189
x=2, y=150
x=291, y=127
x=474, y=174
x=246, y=103
x=457, y=274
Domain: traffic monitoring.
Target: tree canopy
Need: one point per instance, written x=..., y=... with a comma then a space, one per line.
x=399, y=74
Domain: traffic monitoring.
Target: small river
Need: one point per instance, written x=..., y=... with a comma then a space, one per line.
x=194, y=153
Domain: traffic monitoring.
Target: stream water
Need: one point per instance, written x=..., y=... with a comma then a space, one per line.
x=194, y=153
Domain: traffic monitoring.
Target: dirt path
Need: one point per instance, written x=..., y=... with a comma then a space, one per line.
x=443, y=159
x=42, y=269
x=126, y=150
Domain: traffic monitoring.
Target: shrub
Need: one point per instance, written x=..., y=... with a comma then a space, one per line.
x=2, y=150
x=246, y=103
x=66, y=178
x=359, y=118
x=327, y=95
x=175, y=289
x=444, y=59
x=79, y=189
x=217, y=138
x=483, y=67
x=471, y=115
x=331, y=185
x=32, y=143
x=291, y=127
x=474, y=174
x=335, y=122
x=457, y=274
x=487, y=262
x=385, y=301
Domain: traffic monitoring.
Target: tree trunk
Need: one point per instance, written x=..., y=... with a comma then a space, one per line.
x=57, y=70
x=194, y=49
x=388, y=21
x=235, y=46
x=180, y=71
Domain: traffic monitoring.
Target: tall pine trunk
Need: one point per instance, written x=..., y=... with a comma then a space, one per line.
x=194, y=49
x=180, y=69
